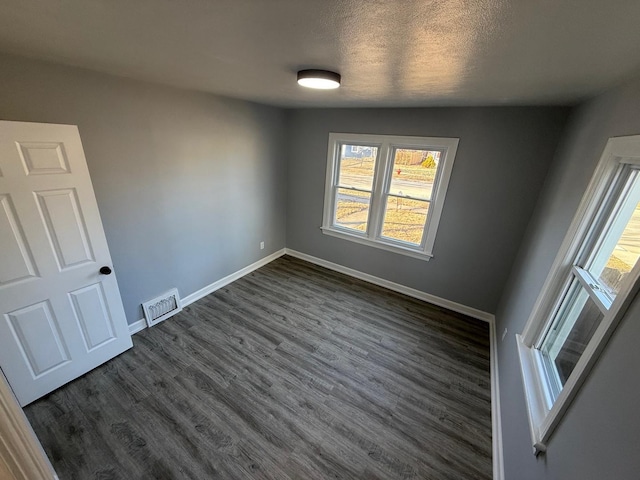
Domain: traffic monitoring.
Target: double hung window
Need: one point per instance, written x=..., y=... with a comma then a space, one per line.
x=387, y=191
x=588, y=289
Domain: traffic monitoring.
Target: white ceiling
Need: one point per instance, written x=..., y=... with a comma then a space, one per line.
x=389, y=52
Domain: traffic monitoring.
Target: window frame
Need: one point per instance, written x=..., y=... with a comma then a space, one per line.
x=545, y=404
x=387, y=144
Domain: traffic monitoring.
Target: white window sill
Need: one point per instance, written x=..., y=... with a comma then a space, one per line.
x=544, y=413
x=377, y=244
x=535, y=394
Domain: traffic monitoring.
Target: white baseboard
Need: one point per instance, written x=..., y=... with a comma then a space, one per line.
x=396, y=287
x=203, y=292
x=135, y=327
x=141, y=324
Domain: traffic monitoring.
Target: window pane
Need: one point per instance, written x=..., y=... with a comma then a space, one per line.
x=414, y=172
x=352, y=209
x=574, y=325
x=404, y=219
x=625, y=254
x=357, y=165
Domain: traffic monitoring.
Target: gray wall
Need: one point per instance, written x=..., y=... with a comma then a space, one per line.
x=600, y=436
x=188, y=184
x=502, y=160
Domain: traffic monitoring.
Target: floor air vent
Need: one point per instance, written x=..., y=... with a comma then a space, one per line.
x=162, y=307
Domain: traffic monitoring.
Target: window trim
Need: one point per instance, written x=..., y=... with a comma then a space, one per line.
x=544, y=414
x=381, y=182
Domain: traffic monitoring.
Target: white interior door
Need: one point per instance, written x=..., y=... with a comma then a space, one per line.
x=60, y=316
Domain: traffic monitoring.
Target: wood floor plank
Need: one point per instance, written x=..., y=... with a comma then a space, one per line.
x=291, y=372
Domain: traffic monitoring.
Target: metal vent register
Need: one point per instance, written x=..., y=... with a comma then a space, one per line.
x=162, y=307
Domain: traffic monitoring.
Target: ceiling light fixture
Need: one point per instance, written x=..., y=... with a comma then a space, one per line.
x=322, y=79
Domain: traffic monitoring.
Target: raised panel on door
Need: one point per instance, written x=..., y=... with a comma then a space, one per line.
x=36, y=331
x=43, y=158
x=62, y=218
x=16, y=262
x=92, y=313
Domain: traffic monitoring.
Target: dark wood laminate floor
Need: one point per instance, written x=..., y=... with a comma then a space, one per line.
x=292, y=372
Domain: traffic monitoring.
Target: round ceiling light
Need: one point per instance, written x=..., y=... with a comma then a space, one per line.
x=322, y=79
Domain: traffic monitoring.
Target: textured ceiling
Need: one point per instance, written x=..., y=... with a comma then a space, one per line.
x=389, y=52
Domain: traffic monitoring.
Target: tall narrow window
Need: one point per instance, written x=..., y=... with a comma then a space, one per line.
x=354, y=188
x=387, y=191
x=594, y=281
x=407, y=199
x=587, y=291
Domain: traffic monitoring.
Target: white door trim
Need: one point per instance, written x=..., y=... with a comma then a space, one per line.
x=19, y=447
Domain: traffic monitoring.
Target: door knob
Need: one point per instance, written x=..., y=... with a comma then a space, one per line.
x=105, y=270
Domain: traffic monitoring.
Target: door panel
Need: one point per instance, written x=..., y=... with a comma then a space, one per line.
x=43, y=158
x=62, y=219
x=91, y=311
x=59, y=316
x=16, y=263
x=28, y=326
